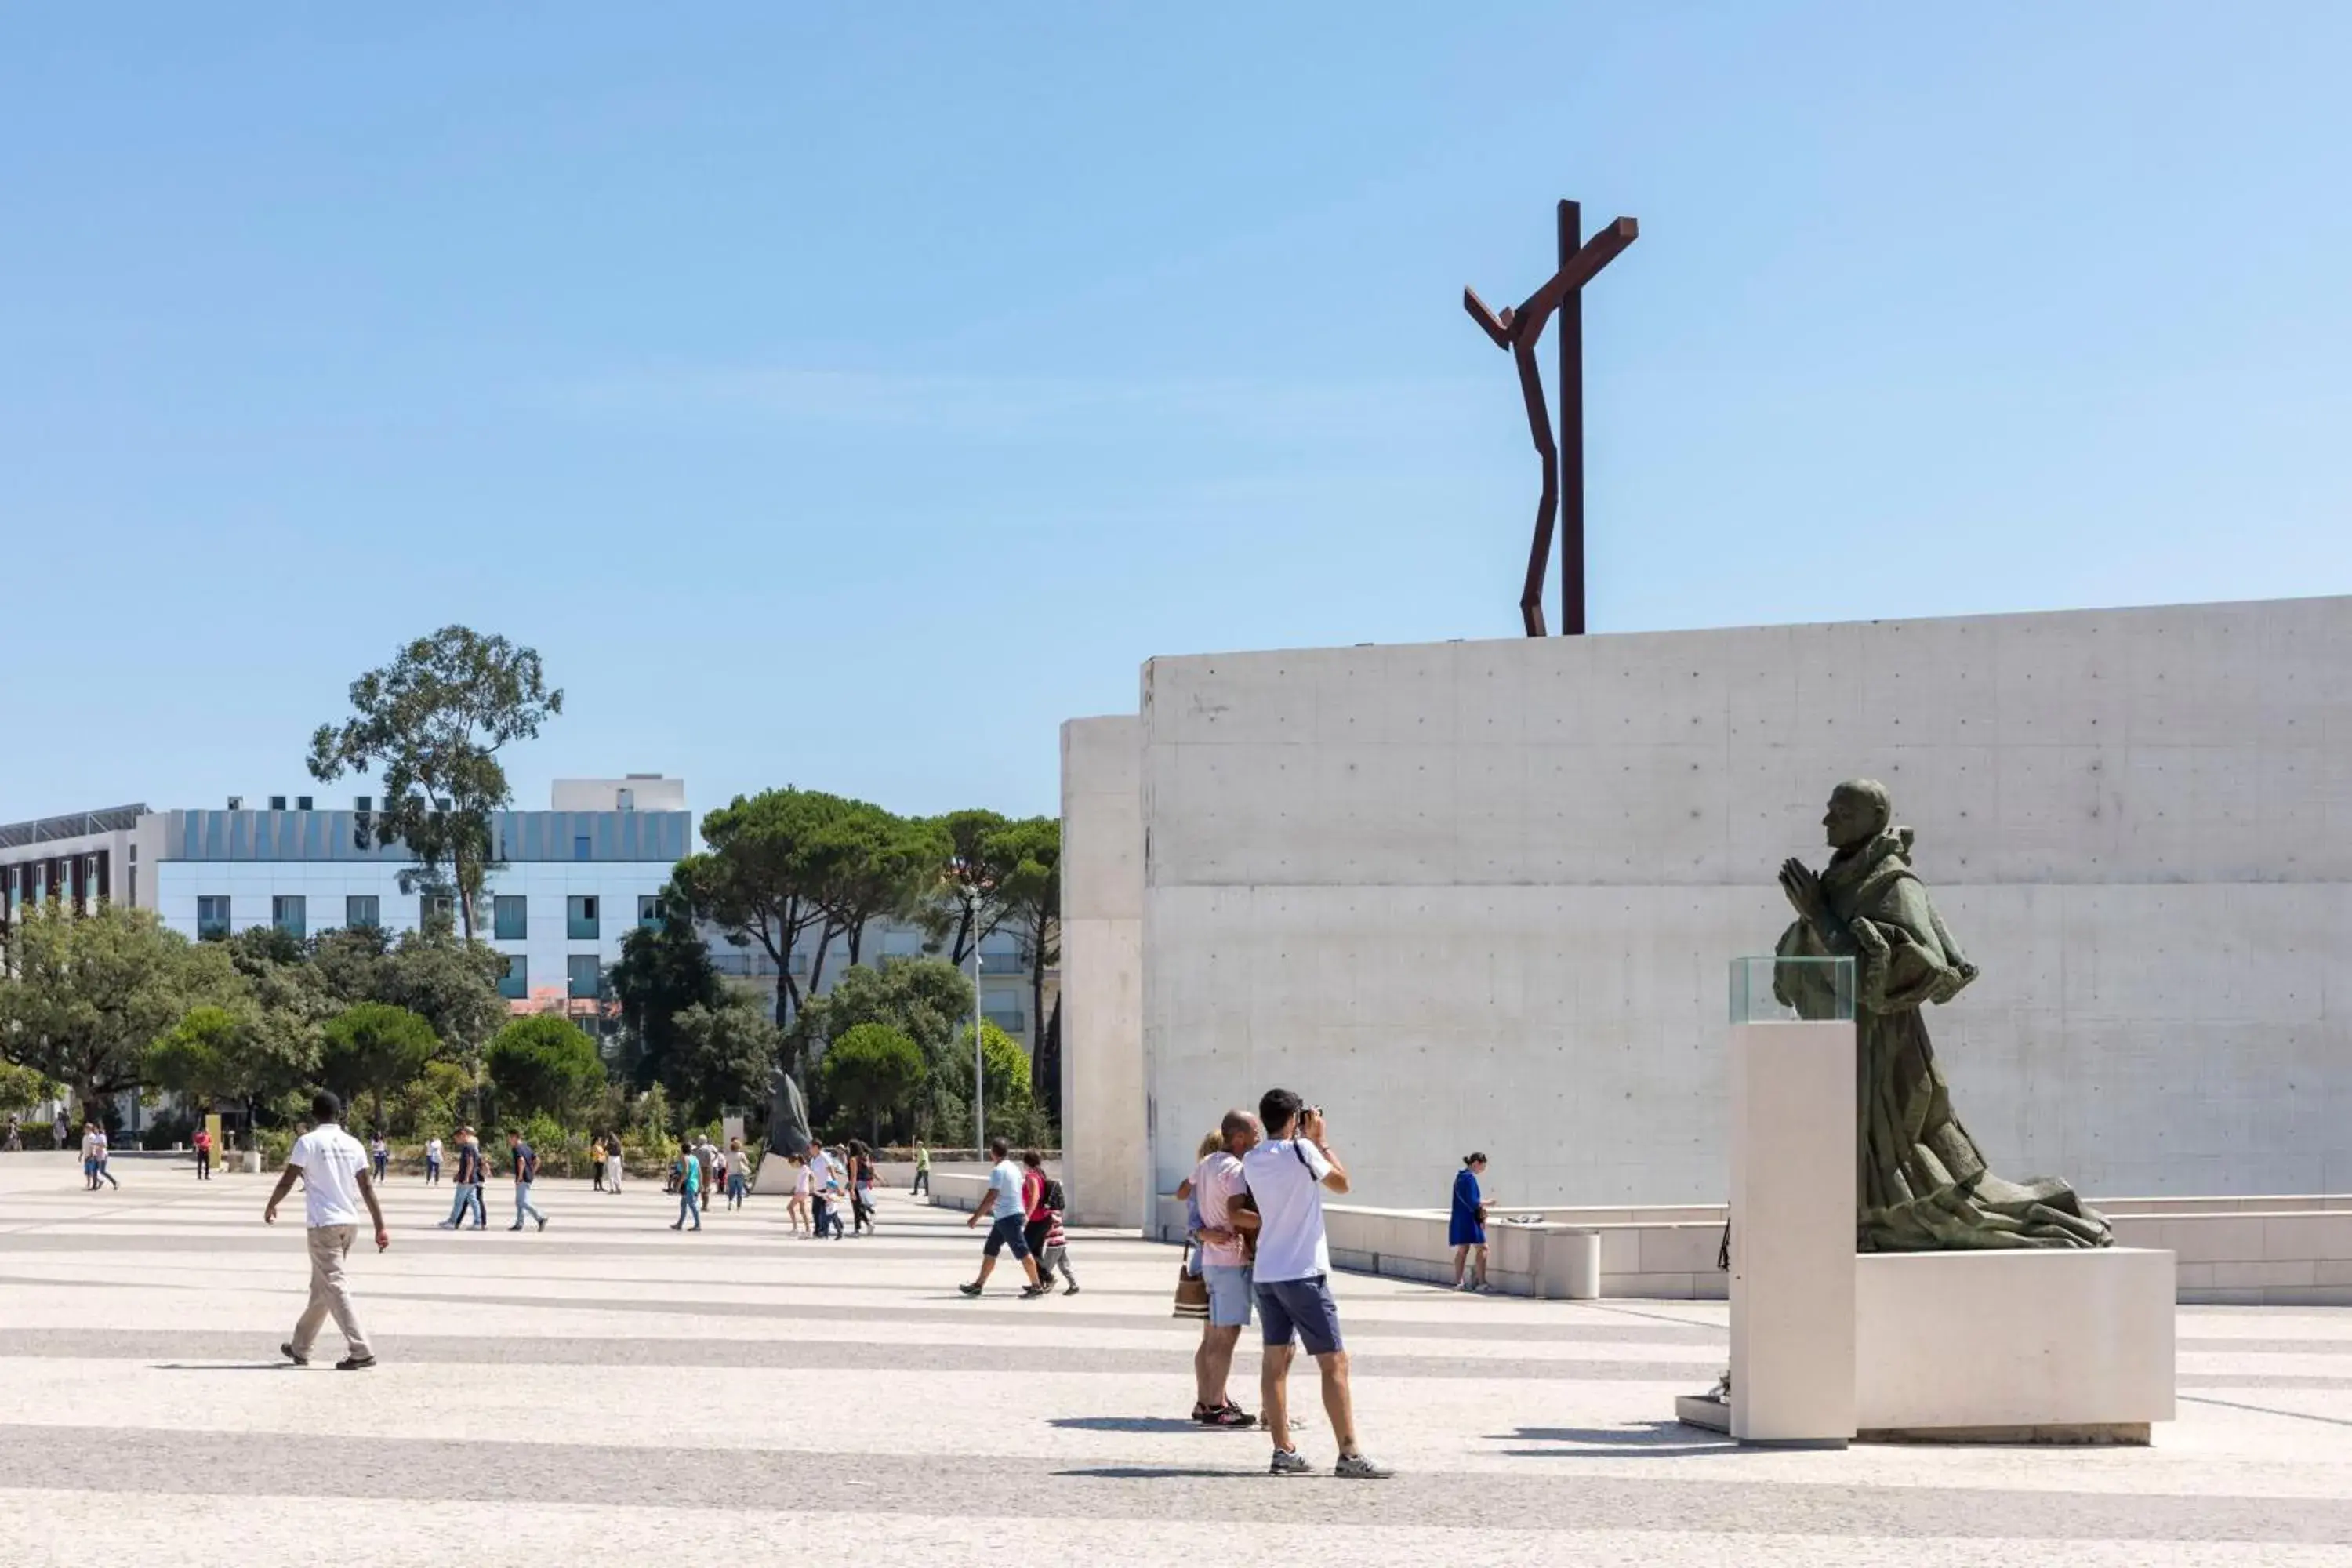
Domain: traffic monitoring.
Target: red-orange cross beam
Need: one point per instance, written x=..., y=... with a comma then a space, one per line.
x=1518, y=330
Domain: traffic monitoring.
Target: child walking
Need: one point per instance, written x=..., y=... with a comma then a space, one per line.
x=797, y=1211
x=1056, y=1258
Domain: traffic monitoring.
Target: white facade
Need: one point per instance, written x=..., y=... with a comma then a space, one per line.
x=1103, y=1109
x=1482, y=895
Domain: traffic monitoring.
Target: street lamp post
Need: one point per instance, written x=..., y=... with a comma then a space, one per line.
x=979, y=1063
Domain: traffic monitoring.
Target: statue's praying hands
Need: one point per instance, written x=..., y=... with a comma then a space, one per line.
x=1803, y=889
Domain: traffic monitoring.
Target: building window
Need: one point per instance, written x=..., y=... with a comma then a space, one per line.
x=435, y=909
x=649, y=914
x=286, y=913
x=580, y=920
x=276, y=802
x=584, y=973
x=362, y=911
x=514, y=979
x=212, y=915
x=582, y=847
x=510, y=917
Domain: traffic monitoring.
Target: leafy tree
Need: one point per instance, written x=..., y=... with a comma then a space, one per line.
x=762, y=878
x=1032, y=902
x=239, y=1054
x=926, y=999
x=21, y=1088
x=430, y=725
x=873, y=1069
x=725, y=1054
x=374, y=1048
x=664, y=970
x=970, y=904
x=868, y=863
x=1009, y=1101
x=542, y=1065
x=83, y=996
x=450, y=982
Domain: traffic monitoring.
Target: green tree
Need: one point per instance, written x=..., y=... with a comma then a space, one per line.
x=926, y=999
x=874, y=1070
x=761, y=879
x=374, y=1048
x=664, y=970
x=1033, y=904
x=542, y=1065
x=429, y=725
x=21, y=1088
x=724, y=1054
x=970, y=904
x=869, y=863
x=83, y=996
x=1009, y=1102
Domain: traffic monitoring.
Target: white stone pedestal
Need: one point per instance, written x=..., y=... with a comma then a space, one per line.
x=1792, y=1258
x=2013, y=1346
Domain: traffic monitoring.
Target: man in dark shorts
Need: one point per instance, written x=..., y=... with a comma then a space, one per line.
x=1004, y=1207
x=1292, y=1275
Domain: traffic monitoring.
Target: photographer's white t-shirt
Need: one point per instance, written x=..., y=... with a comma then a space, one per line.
x=332, y=1161
x=1285, y=1181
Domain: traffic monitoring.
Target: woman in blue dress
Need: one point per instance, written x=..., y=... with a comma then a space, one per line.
x=1468, y=1228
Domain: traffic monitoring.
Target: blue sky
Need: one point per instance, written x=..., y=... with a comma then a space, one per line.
x=846, y=395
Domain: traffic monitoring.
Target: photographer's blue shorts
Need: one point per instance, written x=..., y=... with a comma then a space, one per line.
x=1008, y=1232
x=1300, y=1306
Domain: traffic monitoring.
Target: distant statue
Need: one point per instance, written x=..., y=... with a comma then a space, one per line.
x=788, y=1123
x=1923, y=1185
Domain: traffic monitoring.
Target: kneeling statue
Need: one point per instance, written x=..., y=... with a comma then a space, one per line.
x=1923, y=1185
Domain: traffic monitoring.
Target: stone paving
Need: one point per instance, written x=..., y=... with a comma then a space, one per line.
x=609, y=1392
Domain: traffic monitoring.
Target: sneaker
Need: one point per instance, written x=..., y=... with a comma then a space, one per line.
x=446, y=1224
x=1356, y=1467
x=1227, y=1415
x=1289, y=1462
x=517, y=1226
x=969, y=1290
x=1073, y=1289
x=1031, y=1292
x=287, y=1350
x=355, y=1363
x=542, y=1223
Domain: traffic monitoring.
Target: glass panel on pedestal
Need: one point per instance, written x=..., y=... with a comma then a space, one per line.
x=1770, y=990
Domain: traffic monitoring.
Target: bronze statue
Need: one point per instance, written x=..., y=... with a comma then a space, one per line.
x=1923, y=1185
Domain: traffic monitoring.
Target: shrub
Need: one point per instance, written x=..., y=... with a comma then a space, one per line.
x=543, y=1066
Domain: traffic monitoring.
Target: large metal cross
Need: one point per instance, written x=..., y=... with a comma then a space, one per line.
x=1518, y=331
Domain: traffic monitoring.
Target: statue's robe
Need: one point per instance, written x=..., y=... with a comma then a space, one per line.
x=1923, y=1185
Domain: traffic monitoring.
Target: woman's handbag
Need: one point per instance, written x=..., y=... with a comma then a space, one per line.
x=1191, y=1291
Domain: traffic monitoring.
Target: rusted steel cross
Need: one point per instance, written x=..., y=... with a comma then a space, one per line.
x=1517, y=331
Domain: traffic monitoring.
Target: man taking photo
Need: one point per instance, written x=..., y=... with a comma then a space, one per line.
x=1287, y=1175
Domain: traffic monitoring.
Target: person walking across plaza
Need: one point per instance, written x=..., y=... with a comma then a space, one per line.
x=861, y=1189
x=466, y=1185
x=822, y=1181
x=739, y=1172
x=1466, y=1229
x=203, y=1141
x=526, y=1172
x=1287, y=1175
x=433, y=1161
x=93, y=1156
x=922, y=1186
x=1227, y=1232
x=1037, y=1220
x=596, y=1163
x=1004, y=1206
x=796, y=1212
x=612, y=1163
x=380, y=1155
x=1056, y=1258
x=333, y=1171
x=690, y=1191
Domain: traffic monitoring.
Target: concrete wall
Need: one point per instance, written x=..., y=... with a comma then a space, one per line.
x=1102, y=907
x=1482, y=895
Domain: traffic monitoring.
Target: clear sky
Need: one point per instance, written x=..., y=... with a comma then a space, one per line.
x=845, y=395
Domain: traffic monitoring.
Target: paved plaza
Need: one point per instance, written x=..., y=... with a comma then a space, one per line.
x=609, y=1392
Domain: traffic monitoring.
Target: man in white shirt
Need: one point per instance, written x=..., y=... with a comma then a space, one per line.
x=1006, y=1207
x=1287, y=1175
x=333, y=1168
x=823, y=1176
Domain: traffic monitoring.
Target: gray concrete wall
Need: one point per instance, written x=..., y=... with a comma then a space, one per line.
x=1483, y=894
x=1102, y=910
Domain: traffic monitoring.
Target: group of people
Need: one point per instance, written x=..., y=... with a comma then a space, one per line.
x=1023, y=1208
x=473, y=1175
x=93, y=1158
x=822, y=1177
x=1254, y=1213
x=700, y=1171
